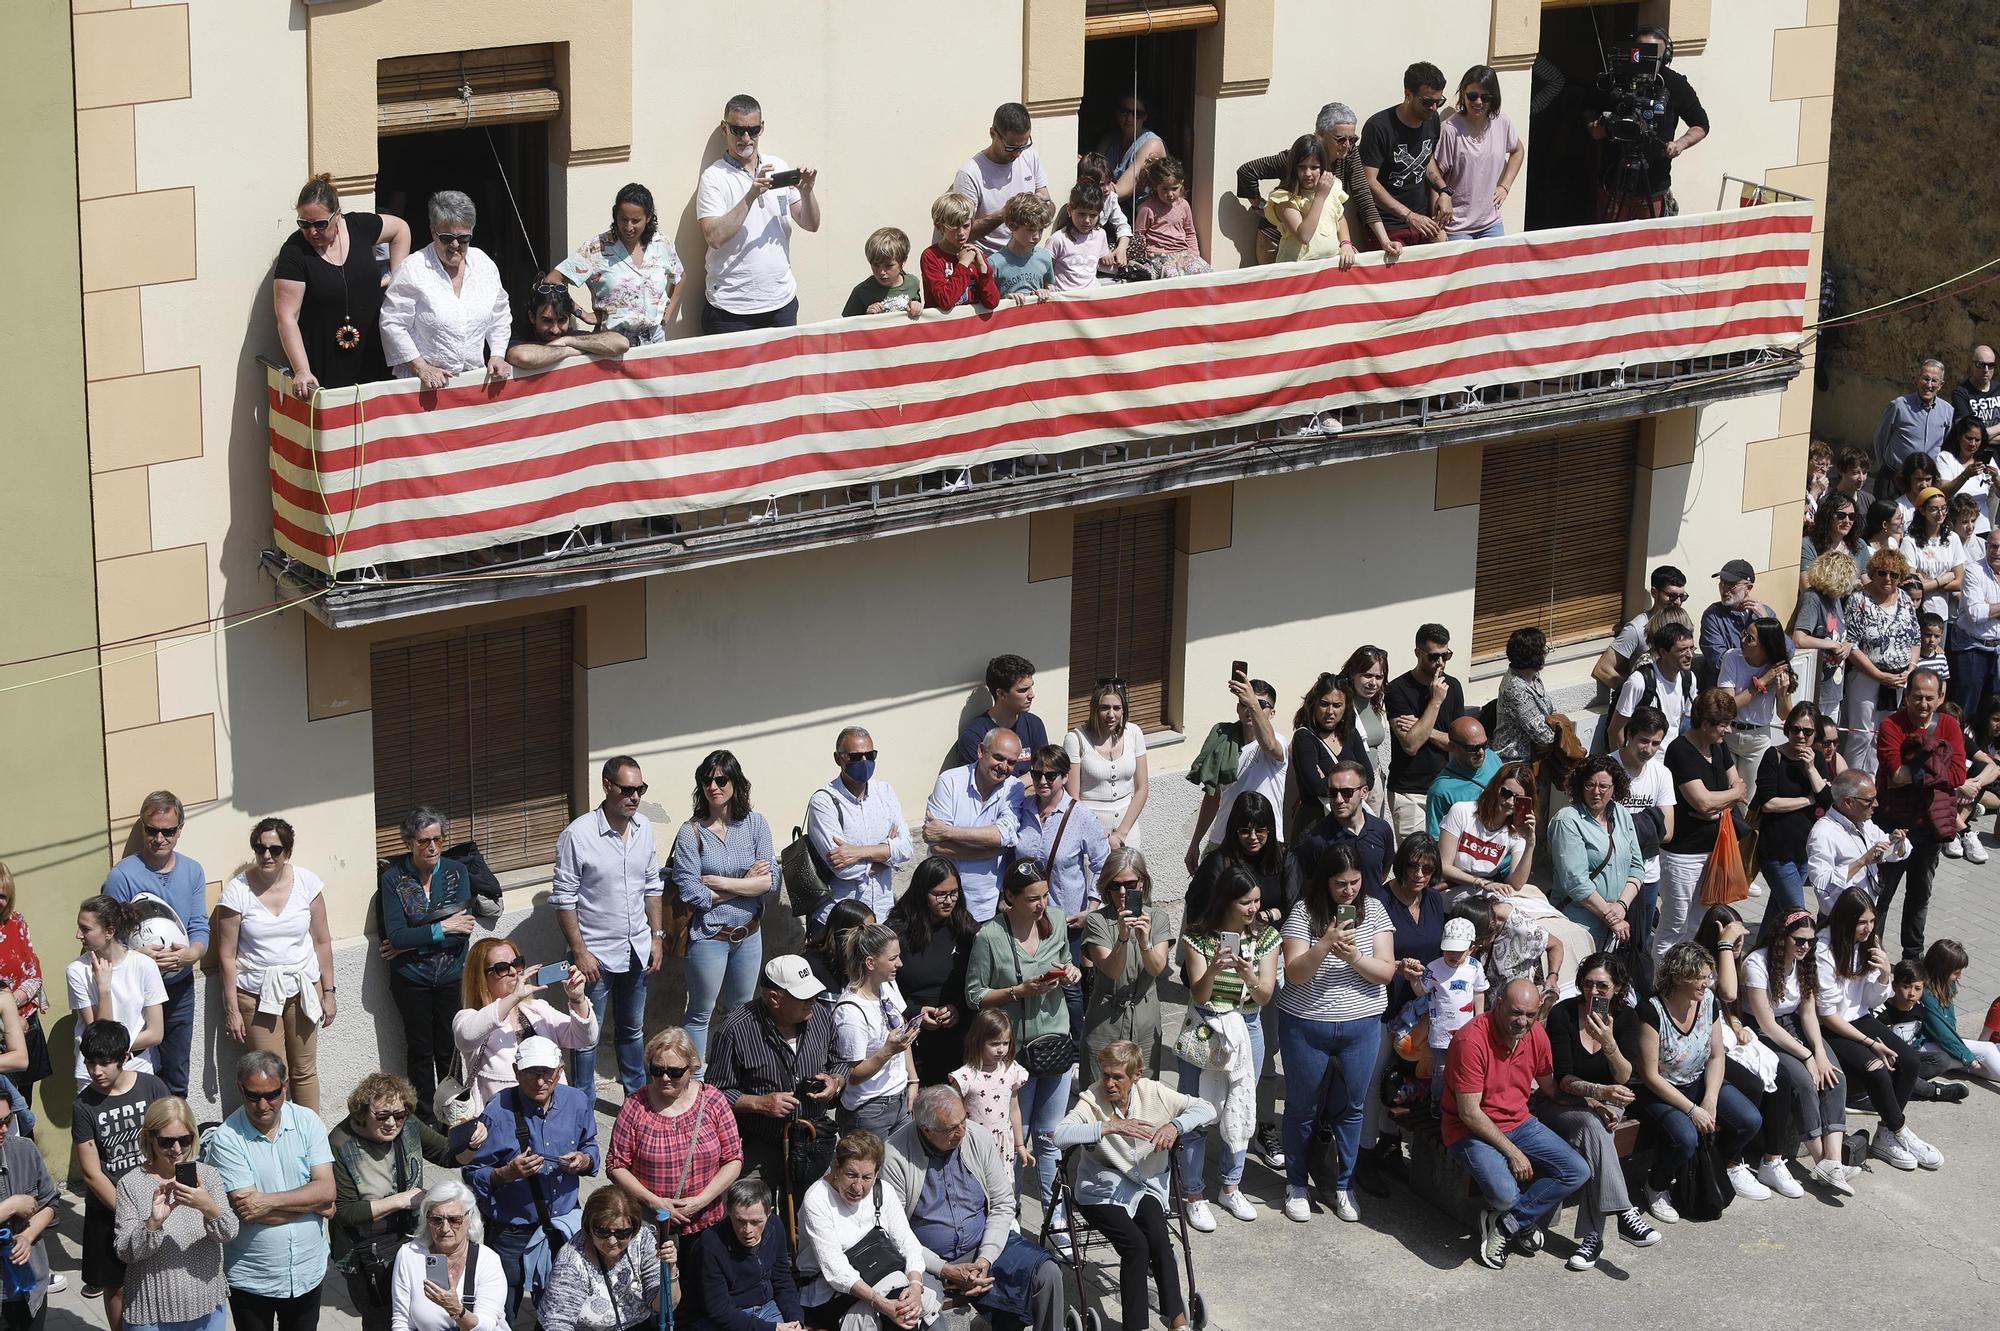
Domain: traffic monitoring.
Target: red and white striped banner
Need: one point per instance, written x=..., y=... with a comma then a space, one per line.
x=392, y=472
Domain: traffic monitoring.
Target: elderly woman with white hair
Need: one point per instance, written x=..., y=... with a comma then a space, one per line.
x=472, y=1296
x=446, y=309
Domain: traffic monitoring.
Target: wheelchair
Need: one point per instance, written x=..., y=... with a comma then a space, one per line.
x=1083, y=1240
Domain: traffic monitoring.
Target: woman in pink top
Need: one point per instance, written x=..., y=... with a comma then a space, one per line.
x=1479, y=155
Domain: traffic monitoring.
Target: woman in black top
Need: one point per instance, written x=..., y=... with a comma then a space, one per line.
x=1790, y=789
x=1593, y=1038
x=1323, y=735
x=1250, y=838
x=936, y=931
x=327, y=291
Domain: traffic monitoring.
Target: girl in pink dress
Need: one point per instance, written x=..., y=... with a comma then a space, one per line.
x=991, y=1082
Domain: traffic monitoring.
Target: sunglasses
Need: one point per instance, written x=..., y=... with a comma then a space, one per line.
x=631, y=792
x=389, y=1115
x=1807, y=731
x=1437, y=656
x=849, y=759
x=744, y=131
x=445, y=1221
x=662, y=1070
x=1110, y=681
x=260, y=851
x=457, y=240
x=1432, y=102
x=1016, y=148
x=1348, y=139
x=606, y=1232
x=1343, y=792
x=308, y=224
x=1043, y=775
x=178, y=1143
x=1801, y=940
x=1477, y=96
x=504, y=967
x=262, y=1097
x=428, y=841
x=164, y=833
x=715, y=782
x=549, y=288
x=1982, y=365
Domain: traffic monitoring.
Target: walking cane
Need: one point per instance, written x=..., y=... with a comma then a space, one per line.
x=663, y=1230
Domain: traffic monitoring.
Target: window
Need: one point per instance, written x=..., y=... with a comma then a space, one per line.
x=1121, y=610
x=1122, y=59
x=1555, y=527
x=1564, y=168
x=477, y=723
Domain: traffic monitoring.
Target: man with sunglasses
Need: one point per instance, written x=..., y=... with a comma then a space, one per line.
x=541, y=1137
x=1422, y=702
x=158, y=869
x=1668, y=586
x=1978, y=395
x=1348, y=822
x=607, y=893
x=1398, y=152
x=1845, y=848
x=1469, y=767
x=27, y=1209
x=1007, y=166
x=276, y=1164
x=855, y=824
x=747, y=222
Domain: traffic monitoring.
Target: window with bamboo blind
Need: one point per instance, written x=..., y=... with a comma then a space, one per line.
x=1555, y=527
x=477, y=723
x=1139, y=18
x=503, y=85
x=1121, y=610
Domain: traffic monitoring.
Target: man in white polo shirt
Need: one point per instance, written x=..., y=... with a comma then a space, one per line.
x=746, y=203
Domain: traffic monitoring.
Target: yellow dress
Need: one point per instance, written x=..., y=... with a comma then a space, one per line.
x=1325, y=241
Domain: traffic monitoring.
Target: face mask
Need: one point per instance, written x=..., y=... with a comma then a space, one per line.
x=861, y=771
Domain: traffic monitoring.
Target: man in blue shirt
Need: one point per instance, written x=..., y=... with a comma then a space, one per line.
x=742, y=1278
x=1724, y=623
x=158, y=869
x=969, y=819
x=1348, y=821
x=277, y=1167
x=1916, y=422
x=1011, y=681
x=1468, y=767
x=540, y=1138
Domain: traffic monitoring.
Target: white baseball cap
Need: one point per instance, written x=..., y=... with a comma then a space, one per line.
x=793, y=975
x=537, y=1051
x=1458, y=934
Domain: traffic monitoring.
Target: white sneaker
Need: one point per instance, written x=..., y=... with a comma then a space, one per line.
x=1928, y=1156
x=1296, y=1206
x=1234, y=1202
x=1832, y=1175
x=58, y=1282
x=1975, y=850
x=1886, y=1148
x=1746, y=1185
x=1343, y=1206
x=1954, y=847
x=1663, y=1210
x=1199, y=1217
x=1756, y=888
x=1774, y=1175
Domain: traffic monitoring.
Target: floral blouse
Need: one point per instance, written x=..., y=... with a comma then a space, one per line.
x=1887, y=634
x=629, y=294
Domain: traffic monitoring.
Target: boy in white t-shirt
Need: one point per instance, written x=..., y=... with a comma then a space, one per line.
x=1456, y=985
x=1652, y=787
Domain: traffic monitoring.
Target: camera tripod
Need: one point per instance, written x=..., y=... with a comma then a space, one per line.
x=1626, y=196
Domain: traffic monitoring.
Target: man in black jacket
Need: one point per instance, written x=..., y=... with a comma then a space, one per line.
x=1650, y=192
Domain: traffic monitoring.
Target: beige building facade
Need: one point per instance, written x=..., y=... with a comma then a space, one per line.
x=142, y=502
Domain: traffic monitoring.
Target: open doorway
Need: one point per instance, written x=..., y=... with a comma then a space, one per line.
x=1161, y=67
x=1564, y=168
x=484, y=163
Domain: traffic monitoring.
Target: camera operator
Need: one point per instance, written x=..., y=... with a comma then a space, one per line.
x=1629, y=125
x=773, y=1058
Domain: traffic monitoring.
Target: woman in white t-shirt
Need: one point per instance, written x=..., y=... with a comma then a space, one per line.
x=1852, y=976
x=276, y=958
x=1758, y=671
x=1779, y=988
x=1107, y=764
x=1937, y=556
x=1960, y=472
x=1340, y=954
x=871, y=1037
x=111, y=982
x=1490, y=842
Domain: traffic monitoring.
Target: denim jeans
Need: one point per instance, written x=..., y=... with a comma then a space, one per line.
x=1737, y=1123
x=625, y=993
x=1975, y=673
x=177, y=1035
x=1326, y=1063
x=1559, y=1171
x=1788, y=885
x=1193, y=1147
x=1496, y=228
x=717, y=967
x=1044, y=1101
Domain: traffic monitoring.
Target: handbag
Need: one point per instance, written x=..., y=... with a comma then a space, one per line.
x=451, y=1103
x=679, y=921
x=874, y=1256
x=1201, y=1044
x=807, y=876
x=1702, y=1190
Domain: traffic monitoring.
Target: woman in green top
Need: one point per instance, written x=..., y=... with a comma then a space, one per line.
x=1119, y=939
x=1019, y=963
x=379, y=1152
x=1239, y=977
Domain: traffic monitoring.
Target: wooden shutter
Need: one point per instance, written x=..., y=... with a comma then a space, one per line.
x=1137, y=18
x=477, y=723
x=501, y=86
x=1121, y=611
x=1555, y=526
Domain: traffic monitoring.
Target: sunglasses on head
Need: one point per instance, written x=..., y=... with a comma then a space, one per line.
x=1110, y=681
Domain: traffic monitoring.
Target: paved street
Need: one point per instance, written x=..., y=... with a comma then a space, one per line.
x=1926, y=1242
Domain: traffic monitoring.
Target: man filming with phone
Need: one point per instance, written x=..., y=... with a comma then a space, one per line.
x=747, y=203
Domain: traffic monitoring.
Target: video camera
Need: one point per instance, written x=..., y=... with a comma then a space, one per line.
x=1638, y=93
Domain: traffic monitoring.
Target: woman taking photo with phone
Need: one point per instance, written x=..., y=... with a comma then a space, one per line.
x=1019, y=963
x=503, y=1008
x=872, y=1036
x=1120, y=941
x=173, y=1218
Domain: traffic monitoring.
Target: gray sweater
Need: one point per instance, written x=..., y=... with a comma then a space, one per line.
x=907, y=1163
x=173, y=1273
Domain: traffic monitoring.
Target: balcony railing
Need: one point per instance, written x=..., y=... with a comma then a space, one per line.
x=392, y=499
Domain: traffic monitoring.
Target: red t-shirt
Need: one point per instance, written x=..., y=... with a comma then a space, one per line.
x=1504, y=1078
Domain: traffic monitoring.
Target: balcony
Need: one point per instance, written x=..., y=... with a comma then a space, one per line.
x=390, y=500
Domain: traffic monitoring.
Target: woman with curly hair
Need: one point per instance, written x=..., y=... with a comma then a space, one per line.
x=1599, y=864
x=1682, y=1091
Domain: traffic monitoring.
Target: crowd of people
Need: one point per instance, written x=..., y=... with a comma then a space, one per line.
x=355, y=304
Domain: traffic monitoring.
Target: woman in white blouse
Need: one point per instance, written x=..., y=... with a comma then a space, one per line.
x=1107, y=765
x=501, y=1010
x=446, y=310
x=276, y=957
x=837, y=1212
x=473, y=1294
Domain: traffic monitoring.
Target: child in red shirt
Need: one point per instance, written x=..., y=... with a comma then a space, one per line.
x=955, y=270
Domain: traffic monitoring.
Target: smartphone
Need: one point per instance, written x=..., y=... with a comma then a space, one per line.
x=1135, y=901
x=1055, y=973
x=1240, y=670
x=553, y=973
x=1524, y=807
x=437, y=1269
x=783, y=179
x=1228, y=946
x=1601, y=1005
x=1346, y=916
x=184, y=1172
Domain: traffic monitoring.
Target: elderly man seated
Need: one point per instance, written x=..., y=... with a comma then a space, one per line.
x=742, y=1270
x=959, y=1195
x=550, y=341
x=1846, y=849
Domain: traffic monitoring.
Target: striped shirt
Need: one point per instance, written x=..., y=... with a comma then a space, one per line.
x=1227, y=992
x=747, y=1056
x=698, y=851
x=1336, y=992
